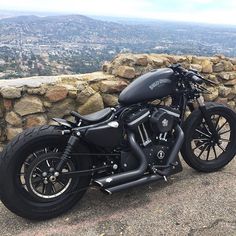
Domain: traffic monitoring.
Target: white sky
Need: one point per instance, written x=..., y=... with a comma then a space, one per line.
x=209, y=11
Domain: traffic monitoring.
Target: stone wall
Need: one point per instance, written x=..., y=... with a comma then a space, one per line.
x=34, y=101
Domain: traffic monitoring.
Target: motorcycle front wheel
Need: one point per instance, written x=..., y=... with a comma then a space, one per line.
x=29, y=184
x=200, y=150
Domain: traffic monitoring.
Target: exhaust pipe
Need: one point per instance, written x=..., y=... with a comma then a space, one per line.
x=130, y=178
x=151, y=178
x=177, y=146
x=130, y=175
x=144, y=180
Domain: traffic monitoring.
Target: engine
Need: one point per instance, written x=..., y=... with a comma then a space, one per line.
x=153, y=129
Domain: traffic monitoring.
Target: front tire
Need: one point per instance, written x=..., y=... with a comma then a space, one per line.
x=199, y=150
x=23, y=160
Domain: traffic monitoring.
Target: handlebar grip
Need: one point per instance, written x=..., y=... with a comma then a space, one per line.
x=196, y=79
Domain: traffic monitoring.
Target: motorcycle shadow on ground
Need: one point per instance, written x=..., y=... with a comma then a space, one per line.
x=96, y=205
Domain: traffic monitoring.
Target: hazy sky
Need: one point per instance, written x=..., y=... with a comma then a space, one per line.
x=210, y=11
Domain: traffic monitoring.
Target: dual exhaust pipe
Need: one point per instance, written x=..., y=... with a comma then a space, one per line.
x=121, y=181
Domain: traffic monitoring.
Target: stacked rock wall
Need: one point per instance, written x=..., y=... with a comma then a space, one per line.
x=34, y=101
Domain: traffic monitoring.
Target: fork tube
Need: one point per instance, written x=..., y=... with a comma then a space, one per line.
x=207, y=118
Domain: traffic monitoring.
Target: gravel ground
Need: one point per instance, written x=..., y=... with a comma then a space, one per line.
x=190, y=203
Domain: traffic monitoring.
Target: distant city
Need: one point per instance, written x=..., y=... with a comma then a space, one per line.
x=67, y=44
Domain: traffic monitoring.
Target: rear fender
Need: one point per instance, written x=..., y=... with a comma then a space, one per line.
x=64, y=123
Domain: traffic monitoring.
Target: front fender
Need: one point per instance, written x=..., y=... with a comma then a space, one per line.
x=197, y=111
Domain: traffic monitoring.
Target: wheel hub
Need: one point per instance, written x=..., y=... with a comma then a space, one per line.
x=42, y=179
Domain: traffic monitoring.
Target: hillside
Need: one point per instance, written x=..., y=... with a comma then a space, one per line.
x=52, y=45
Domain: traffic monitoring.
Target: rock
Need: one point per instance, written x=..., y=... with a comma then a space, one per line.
x=72, y=93
x=224, y=91
x=95, y=86
x=106, y=66
x=47, y=104
x=219, y=67
x=233, y=90
x=231, y=96
x=56, y=94
x=28, y=105
x=81, y=85
x=196, y=67
x=1, y=113
x=94, y=103
x=168, y=101
x=189, y=59
x=207, y=66
x=11, y=92
x=7, y=104
x=215, y=59
x=70, y=118
x=126, y=72
x=230, y=82
x=222, y=100
x=213, y=95
x=35, y=120
x=232, y=75
x=141, y=60
x=110, y=100
x=233, y=61
x=37, y=91
x=228, y=66
x=13, y=119
x=224, y=75
x=157, y=62
x=127, y=59
x=61, y=109
x=72, y=90
x=220, y=56
x=96, y=77
x=181, y=59
x=197, y=60
x=12, y=132
x=231, y=104
x=84, y=95
x=172, y=59
x=114, y=86
x=213, y=78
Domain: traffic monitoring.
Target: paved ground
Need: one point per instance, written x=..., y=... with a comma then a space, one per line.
x=189, y=204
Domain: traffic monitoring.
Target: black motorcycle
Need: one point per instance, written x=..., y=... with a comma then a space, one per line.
x=46, y=170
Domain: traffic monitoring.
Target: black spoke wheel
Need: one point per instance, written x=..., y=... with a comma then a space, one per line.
x=200, y=150
x=203, y=144
x=29, y=184
x=43, y=181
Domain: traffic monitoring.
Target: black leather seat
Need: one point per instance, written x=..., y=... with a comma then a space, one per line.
x=93, y=117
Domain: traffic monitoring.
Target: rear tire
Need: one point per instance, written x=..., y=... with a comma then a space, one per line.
x=14, y=192
x=198, y=151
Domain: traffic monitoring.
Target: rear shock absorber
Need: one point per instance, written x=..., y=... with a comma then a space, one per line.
x=72, y=142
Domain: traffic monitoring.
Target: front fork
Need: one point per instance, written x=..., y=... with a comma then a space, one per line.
x=207, y=117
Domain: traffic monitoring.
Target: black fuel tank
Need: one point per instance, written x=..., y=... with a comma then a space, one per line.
x=153, y=85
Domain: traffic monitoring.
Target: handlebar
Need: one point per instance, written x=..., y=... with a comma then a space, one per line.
x=191, y=75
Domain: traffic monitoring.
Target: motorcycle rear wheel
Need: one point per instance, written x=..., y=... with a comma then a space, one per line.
x=27, y=186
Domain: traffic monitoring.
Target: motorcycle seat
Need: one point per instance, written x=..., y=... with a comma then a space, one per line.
x=93, y=117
